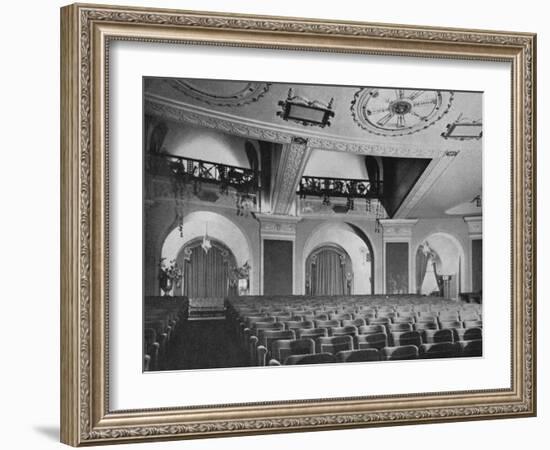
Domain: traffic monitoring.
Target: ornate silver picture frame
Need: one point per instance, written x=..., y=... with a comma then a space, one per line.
x=87, y=34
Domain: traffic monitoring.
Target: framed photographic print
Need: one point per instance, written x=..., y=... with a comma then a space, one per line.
x=276, y=225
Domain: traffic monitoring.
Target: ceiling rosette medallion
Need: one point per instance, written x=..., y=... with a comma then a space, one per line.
x=216, y=94
x=399, y=112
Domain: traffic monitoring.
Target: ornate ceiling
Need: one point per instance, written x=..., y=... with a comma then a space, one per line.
x=399, y=112
x=382, y=122
x=216, y=94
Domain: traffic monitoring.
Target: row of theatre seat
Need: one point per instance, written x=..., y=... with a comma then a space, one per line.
x=288, y=352
x=349, y=324
x=161, y=318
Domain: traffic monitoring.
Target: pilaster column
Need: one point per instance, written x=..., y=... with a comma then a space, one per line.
x=398, y=258
x=475, y=233
x=276, y=256
x=289, y=172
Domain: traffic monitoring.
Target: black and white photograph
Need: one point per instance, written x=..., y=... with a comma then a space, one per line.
x=298, y=223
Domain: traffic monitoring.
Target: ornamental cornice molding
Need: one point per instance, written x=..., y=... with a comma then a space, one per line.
x=278, y=218
x=398, y=228
x=248, y=128
x=475, y=226
x=216, y=122
x=373, y=149
x=277, y=226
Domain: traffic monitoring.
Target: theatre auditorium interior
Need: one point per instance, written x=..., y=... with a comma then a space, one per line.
x=290, y=224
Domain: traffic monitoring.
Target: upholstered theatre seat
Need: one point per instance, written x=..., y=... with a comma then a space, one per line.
x=313, y=333
x=318, y=358
x=439, y=350
x=402, y=338
x=372, y=340
x=399, y=353
x=469, y=334
x=334, y=344
x=435, y=336
x=369, y=354
x=471, y=348
x=282, y=349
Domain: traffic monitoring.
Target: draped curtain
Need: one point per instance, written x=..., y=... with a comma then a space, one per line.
x=206, y=274
x=421, y=266
x=328, y=274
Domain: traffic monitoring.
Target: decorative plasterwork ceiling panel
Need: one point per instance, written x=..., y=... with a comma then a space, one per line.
x=248, y=128
x=234, y=93
x=225, y=125
x=228, y=100
x=399, y=112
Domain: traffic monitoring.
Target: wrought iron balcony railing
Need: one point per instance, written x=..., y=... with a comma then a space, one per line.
x=340, y=187
x=196, y=170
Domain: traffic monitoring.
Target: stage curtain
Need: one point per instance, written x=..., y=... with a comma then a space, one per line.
x=421, y=265
x=328, y=274
x=206, y=274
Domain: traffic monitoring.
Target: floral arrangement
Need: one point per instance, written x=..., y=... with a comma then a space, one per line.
x=170, y=270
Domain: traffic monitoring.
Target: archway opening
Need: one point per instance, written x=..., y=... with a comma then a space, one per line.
x=356, y=245
x=207, y=270
x=329, y=271
x=439, y=266
x=222, y=232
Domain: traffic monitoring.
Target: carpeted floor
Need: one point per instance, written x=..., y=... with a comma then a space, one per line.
x=205, y=344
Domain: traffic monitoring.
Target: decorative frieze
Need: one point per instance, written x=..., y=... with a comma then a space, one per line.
x=397, y=229
x=277, y=226
x=313, y=207
x=475, y=226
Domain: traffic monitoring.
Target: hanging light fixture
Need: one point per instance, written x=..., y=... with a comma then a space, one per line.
x=206, y=244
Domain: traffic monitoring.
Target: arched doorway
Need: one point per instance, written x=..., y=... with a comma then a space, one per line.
x=219, y=229
x=354, y=241
x=440, y=266
x=329, y=271
x=207, y=273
